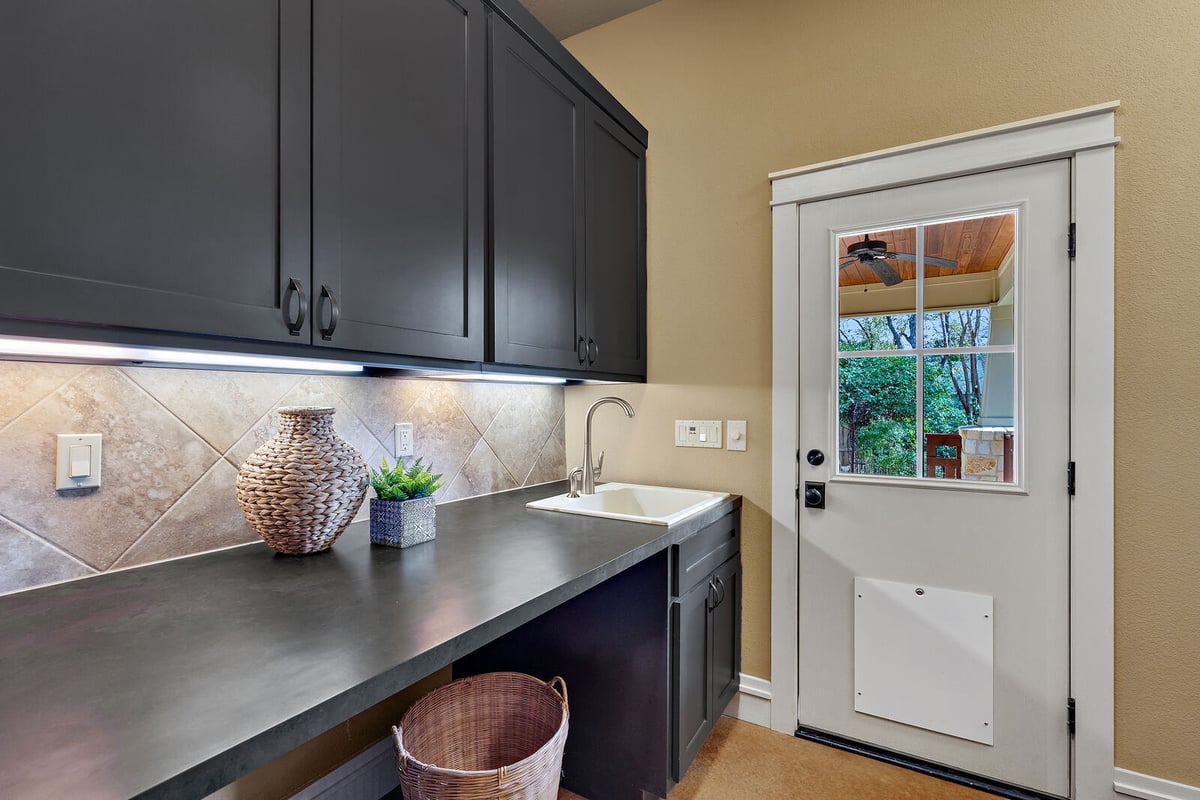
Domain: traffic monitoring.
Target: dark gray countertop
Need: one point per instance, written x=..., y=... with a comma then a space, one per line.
x=177, y=678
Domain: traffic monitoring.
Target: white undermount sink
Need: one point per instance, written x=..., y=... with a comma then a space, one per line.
x=655, y=505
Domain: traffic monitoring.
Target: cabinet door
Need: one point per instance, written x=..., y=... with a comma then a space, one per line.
x=616, y=247
x=155, y=163
x=692, y=714
x=537, y=207
x=399, y=179
x=726, y=635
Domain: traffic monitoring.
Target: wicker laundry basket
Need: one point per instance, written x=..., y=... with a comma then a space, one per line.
x=497, y=736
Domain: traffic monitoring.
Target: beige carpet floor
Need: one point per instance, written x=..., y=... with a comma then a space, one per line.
x=741, y=760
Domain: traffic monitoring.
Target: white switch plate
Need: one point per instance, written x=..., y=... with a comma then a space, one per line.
x=85, y=447
x=404, y=438
x=735, y=434
x=698, y=433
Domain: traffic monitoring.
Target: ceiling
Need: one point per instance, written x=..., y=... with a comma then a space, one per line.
x=565, y=18
x=978, y=245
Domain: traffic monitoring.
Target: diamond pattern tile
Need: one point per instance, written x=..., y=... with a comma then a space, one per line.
x=149, y=459
x=28, y=561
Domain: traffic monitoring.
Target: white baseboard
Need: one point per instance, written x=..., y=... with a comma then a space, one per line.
x=368, y=776
x=752, y=703
x=1148, y=787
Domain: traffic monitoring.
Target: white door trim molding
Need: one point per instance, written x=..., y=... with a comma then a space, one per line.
x=1086, y=136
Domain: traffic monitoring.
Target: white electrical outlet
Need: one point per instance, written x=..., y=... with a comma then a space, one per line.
x=697, y=433
x=404, y=439
x=735, y=434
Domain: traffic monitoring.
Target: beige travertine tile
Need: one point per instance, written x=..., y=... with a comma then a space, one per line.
x=551, y=464
x=150, y=458
x=24, y=383
x=220, y=406
x=481, y=474
x=205, y=518
x=482, y=401
x=381, y=402
x=520, y=430
x=311, y=391
x=28, y=561
x=443, y=436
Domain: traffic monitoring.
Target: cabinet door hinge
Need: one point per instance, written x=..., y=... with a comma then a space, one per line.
x=1071, y=240
x=797, y=492
x=1071, y=715
x=1071, y=478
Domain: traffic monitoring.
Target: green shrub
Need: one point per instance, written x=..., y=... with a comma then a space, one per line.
x=404, y=484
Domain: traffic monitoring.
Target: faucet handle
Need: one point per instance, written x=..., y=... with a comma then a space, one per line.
x=599, y=465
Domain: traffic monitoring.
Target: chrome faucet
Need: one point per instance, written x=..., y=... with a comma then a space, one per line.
x=582, y=480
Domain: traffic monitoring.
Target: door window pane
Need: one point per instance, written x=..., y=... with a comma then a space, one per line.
x=877, y=290
x=969, y=420
x=927, y=350
x=877, y=419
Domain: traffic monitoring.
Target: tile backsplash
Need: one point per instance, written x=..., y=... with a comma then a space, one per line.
x=174, y=438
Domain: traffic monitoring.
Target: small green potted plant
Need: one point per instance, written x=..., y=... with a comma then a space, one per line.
x=404, y=512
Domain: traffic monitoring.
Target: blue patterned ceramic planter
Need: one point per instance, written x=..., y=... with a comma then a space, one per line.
x=403, y=523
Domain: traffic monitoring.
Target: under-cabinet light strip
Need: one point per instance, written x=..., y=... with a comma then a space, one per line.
x=88, y=351
x=497, y=377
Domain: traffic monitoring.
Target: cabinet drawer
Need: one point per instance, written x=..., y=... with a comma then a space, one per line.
x=697, y=556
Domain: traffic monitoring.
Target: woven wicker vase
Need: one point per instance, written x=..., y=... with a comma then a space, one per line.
x=300, y=490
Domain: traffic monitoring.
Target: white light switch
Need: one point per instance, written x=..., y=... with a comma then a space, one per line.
x=404, y=438
x=698, y=433
x=78, y=464
x=735, y=433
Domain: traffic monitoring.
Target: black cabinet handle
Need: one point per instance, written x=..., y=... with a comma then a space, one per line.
x=579, y=351
x=720, y=590
x=711, y=602
x=593, y=350
x=334, y=313
x=296, y=288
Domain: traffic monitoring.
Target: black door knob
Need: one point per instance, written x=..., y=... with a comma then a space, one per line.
x=814, y=494
x=815, y=457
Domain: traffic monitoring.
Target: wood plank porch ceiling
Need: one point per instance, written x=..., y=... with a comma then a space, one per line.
x=978, y=245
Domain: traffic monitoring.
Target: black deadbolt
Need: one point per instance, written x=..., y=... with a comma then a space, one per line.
x=815, y=457
x=814, y=494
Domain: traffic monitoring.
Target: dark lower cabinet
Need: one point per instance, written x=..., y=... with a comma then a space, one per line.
x=155, y=164
x=706, y=650
x=651, y=657
x=399, y=176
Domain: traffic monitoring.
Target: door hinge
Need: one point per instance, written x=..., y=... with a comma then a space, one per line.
x=1071, y=240
x=1071, y=715
x=797, y=492
x=1071, y=478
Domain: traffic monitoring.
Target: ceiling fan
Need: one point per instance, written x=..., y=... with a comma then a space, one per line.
x=873, y=254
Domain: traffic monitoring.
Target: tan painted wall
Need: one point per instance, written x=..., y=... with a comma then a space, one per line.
x=733, y=90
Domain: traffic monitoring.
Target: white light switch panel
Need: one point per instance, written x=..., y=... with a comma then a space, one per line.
x=698, y=433
x=735, y=434
x=78, y=461
x=404, y=438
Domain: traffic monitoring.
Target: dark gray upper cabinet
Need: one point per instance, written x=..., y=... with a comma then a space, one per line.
x=155, y=164
x=616, y=247
x=568, y=215
x=537, y=207
x=399, y=176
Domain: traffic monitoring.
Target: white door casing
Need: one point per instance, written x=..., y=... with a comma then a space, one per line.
x=1005, y=542
x=1085, y=136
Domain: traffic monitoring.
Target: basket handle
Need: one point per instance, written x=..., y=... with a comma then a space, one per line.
x=562, y=690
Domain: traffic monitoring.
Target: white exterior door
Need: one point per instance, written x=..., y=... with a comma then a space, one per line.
x=934, y=380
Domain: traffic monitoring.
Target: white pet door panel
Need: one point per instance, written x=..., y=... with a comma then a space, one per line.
x=923, y=657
